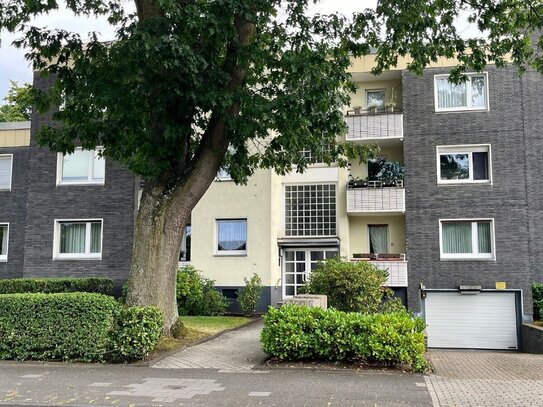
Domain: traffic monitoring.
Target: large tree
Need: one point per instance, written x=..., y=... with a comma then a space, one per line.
x=18, y=106
x=189, y=86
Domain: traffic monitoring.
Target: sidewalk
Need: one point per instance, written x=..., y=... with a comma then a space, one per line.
x=235, y=351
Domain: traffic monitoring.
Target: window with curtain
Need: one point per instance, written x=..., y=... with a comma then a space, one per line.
x=184, y=254
x=5, y=171
x=464, y=164
x=231, y=236
x=375, y=98
x=468, y=95
x=378, y=238
x=82, y=167
x=79, y=239
x=4, y=230
x=467, y=239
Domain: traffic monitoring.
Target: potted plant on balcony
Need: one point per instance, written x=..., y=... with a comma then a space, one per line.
x=358, y=183
x=390, y=105
x=391, y=172
x=357, y=109
x=373, y=108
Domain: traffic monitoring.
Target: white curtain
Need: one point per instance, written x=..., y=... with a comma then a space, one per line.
x=96, y=237
x=478, y=91
x=76, y=166
x=457, y=237
x=3, y=240
x=378, y=239
x=232, y=234
x=5, y=172
x=72, y=237
x=483, y=234
x=99, y=166
x=449, y=95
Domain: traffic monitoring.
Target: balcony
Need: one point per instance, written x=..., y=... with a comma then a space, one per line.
x=394, y=264
x=375, y=197
x=374, y=127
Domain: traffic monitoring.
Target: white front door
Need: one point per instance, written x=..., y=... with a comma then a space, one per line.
x=487, y=320
x=298, y=264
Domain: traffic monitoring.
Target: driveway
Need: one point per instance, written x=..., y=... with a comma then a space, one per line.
x=485, y=378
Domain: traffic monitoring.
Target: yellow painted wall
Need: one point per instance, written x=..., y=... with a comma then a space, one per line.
x=391, y=153
x=393, y=92
x=15, y=138
x=226, y=200
x=359, y=235
x=366, y=63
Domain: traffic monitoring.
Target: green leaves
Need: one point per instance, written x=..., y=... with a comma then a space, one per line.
x=18, y=105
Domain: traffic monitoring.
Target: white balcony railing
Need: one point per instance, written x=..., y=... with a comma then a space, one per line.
x=378, y=126
x=375, y=200
x=397, y=271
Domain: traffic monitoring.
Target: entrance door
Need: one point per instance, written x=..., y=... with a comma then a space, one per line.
x=298, y=264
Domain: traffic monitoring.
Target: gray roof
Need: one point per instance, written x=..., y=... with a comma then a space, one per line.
x=15, y=126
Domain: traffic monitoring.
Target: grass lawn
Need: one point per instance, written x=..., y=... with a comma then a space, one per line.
x=199, y=328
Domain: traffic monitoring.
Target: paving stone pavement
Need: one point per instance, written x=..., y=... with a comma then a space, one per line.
x=234, y=351
x=485, y=378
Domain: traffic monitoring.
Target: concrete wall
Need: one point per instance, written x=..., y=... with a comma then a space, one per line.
x=504, y=200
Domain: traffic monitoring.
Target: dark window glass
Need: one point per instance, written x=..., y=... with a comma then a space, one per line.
x=480, y=165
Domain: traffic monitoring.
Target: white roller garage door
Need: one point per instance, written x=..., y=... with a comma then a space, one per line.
x=487, y=320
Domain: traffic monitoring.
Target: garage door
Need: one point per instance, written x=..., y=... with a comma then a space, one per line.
x=487, y=320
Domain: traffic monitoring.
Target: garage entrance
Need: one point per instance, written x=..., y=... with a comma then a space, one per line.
x=486, y=319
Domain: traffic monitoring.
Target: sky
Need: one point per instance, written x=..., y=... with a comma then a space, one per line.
x=13, y=65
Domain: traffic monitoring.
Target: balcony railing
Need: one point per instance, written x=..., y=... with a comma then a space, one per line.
x=372, y=197
x=381, y=125
x=395, y=265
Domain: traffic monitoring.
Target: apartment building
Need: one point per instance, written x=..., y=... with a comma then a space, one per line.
x=451, y=207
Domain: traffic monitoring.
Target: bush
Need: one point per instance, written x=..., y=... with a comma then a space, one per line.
x=84, y=327
x=56, y=285
x=72, y=326
x=392, y=305
x=196, y=295
x=350, y=286
x=537, y=296
x=136, y=332
x=249, y=295
x=297, y=333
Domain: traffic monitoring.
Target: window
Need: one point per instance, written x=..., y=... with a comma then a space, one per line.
x=469, y=95
x=298, y=265
x=81, y=167
x=378, y=238
x=310, y=210
x=184, y=254
x=231, y=237
x=467, y=239
x=6, y=164
x=4, y=238
x=375, y=98
x=463, y=164
x=78, y=239
x=317, y=157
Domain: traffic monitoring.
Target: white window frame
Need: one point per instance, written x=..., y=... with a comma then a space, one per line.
x=4, y=257
x=90, y=179
x=10, y=172
x=78, y=256
x=373, y=91
x=474, y=255
x=223, y=175
x=284, y=214
x=468, y=89
x=464, y=149
x=238, y=253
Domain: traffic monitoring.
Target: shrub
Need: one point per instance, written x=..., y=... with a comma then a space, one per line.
x=136, y=332
x=392, y=305
x=196, y=295
x=68, y=326
x=297, y=333
x=249, y=295
x=350, y=286
x=84, y=327
x=537, y=295
x=56, y=285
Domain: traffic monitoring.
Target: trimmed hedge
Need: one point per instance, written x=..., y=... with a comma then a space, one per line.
x=196, y=295
x=537, y=296
x=56, y=285
x=84, y=327
x=296, y=333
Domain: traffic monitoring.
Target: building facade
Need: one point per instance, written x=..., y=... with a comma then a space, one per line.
x=451, y=206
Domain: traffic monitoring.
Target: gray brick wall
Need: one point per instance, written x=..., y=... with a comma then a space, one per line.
x=13, y=211
x=113, y=202
x=505, y=201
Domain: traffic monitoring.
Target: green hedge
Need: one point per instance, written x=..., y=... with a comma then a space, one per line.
x=84, y=327
x=56, y=285
x=297, y=333
x=537, y=296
